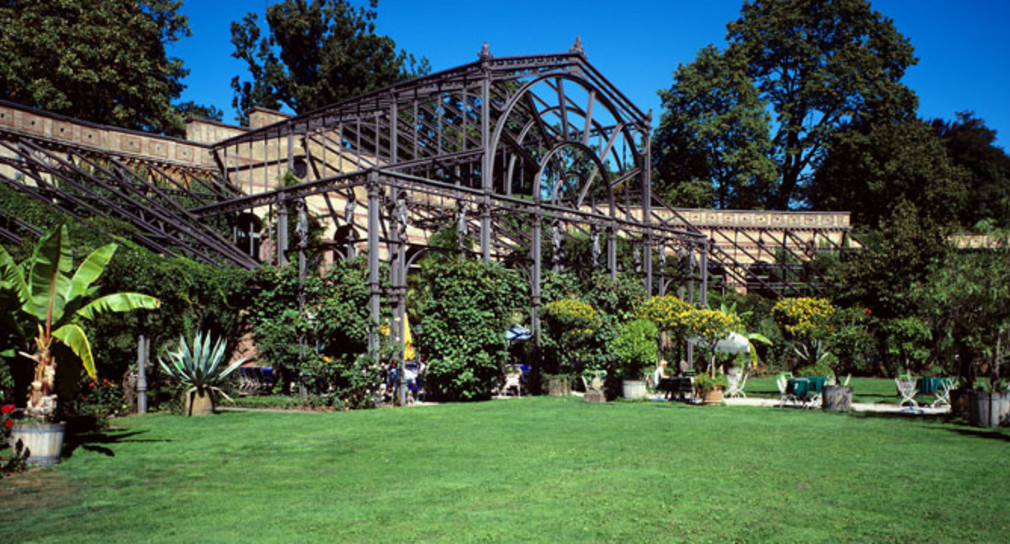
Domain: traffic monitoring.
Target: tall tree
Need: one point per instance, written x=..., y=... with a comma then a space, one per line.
x=99, y=60
x=316, y=54
x=714, y=128
x=971, y=145
x=820, y=65
x=869, y=170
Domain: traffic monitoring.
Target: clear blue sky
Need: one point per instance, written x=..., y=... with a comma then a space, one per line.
x=963, y=46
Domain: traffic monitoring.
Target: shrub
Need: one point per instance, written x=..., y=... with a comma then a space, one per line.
x=635, y=347
x=462, y=324
x=667, y=312
x=334, y=324
x=569, y=329
x=803, y=317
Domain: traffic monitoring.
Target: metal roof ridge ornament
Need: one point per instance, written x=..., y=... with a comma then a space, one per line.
x=577, y=48
x=485, y=52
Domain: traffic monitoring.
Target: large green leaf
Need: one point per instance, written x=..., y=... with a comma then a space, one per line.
x=73, y=337
x=90, y=270
x=118, y=302
x=11, y=277
x=49, y=282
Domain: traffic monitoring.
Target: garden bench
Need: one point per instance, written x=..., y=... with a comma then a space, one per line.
x=255, y=380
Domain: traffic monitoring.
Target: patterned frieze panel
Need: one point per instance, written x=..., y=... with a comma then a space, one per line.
x=70, y=131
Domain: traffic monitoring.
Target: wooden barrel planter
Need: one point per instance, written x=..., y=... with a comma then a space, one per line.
x=836, y=398
x=990, y=409
x=43, y=440
x=559, y=386
x=960, y=403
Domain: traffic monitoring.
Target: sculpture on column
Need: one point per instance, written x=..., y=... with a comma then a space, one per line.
x=556, y=254
x=596, y=246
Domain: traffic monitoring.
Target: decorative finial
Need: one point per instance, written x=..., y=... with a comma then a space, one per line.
x=577, y=47
x=485, y=52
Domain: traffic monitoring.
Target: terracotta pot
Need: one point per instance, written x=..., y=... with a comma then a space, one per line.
x=714, y=396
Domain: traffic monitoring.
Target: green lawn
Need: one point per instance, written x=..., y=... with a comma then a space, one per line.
x=532, y=469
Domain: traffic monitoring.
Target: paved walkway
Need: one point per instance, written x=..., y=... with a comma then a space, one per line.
x=879, y=407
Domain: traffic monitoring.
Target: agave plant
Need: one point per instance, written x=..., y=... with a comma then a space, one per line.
x=62, y=301
x=200, y=367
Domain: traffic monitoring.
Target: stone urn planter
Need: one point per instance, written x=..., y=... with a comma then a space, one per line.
x=199, y=405
x=559, y=386
x=989, y=409
x=43, y=440
x=836, y=398
x=633, y=389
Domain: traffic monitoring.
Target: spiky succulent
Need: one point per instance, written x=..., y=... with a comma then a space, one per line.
x=200, y=367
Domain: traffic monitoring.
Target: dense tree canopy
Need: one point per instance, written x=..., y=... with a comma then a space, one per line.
x=870, y=170
x=817, y=65
x=315, y=54
x=100, y=60
x=820, y=65
x=971, y=146
x=714, y=127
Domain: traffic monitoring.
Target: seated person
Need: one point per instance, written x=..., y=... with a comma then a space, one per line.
x=659, y=375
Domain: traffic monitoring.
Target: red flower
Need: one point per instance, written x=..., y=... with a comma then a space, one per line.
x=8, y=423
x=7, y=408
x=868, y=311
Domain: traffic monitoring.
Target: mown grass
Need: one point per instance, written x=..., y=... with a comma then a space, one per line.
x=523, y=470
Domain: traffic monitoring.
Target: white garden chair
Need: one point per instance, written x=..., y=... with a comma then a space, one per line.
x=737, y=382
x=513, y=380
x=907, y=388
x=943, y=392
x=782, y=381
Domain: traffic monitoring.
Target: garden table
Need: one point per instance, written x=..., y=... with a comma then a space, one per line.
x=678, y=386
x=806, y=391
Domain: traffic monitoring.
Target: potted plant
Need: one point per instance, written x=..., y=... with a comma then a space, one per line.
x=709, y=389
x=635, y=349
x=60, y=301
x=813, y=325
x=570, y=327
x=200, y=368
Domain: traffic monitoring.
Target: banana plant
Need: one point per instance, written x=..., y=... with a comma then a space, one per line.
x=200, y=366
x=750, y=336
x=62, y=300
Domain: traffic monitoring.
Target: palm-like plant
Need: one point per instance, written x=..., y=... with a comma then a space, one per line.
x=200, y=367
x=62, y=302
